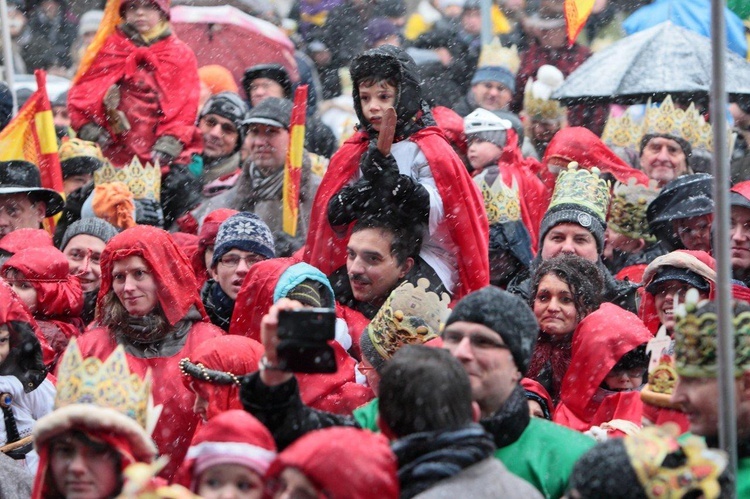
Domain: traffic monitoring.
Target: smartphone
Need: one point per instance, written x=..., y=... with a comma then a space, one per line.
x=303, y=340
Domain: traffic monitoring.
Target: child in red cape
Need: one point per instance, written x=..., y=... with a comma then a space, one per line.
x=157, y=78
x=427, y=167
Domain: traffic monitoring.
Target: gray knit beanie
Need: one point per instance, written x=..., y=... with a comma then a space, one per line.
x=506, y=314
x=93, y=226
x=576, y=214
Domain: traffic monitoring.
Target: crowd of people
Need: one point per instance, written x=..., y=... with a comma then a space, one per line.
x=520, y=294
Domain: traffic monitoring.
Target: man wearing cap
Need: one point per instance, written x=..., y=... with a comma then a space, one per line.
x=739, y=197
x=220, y=122
x=697, y=387
x=24, y=203
x=259, y=187
x=243, y=240
x=492, y=88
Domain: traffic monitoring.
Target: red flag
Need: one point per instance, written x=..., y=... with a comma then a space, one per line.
x=293, y=166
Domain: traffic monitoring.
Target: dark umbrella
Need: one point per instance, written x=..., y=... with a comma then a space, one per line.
x=662, y=60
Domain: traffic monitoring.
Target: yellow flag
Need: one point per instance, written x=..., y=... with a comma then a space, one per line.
x=577, y=13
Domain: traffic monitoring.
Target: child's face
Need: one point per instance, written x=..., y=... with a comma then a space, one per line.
x=230, y=480
x=4, y=343
x=142, y=15
x=375, y=99
x=482, y=153
x=22, y=288
x=622, y=381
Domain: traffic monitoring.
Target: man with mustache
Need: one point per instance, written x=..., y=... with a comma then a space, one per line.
x=739, y=197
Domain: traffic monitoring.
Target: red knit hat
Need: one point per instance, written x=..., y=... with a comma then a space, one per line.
x=233, y=437
x=343, y=463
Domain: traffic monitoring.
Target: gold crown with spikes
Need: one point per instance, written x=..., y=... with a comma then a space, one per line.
x=410, y=316
x=143, y=181
x=581, y=187
x=541, y=107
x=627, y=213
x=500, y=201
x=623, y=131
x=108, y=384
x=649, y=449
x=696, y=341
x=494, y=55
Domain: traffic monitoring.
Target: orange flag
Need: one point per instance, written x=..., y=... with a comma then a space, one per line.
x=30, y=136
x=293, y=166
x=577, y=13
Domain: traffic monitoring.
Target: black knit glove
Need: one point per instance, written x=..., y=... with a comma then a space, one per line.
x=350, y=203
x=374, y=165
x=410, y=198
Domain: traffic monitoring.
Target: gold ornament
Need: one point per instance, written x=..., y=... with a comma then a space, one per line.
x=494, y=55
x=410, y=316
x=143, y=181
x=649, y=449
x=627, y=213
x=583, y=188
x=500, y=201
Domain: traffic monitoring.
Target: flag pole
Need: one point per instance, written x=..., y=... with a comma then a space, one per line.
x=718, y=103
x=8, y=53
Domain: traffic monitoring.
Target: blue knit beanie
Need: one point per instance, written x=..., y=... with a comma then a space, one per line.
x=244, y=231
x=495, y=73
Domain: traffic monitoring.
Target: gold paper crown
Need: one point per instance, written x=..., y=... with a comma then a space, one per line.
x=77, y=148
x=648, y=450
x=696, y=342
x=661, y=383
x=666, y=119
x=581, y=187
x=538, y=105
x=494, y=54
x=627, y=213
x=143, y=181
x=500, y=201
x=108, y=384
x=410, y=316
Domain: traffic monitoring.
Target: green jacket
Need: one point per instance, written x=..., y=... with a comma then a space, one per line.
x=367, y=415
x=743, y=477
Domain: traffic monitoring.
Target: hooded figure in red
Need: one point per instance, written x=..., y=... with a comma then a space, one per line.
x=59, y=297
x=158, y=338
x=266, y=283
x=207, y=238
x=585, y=147
x=341, y=463
x=214, y=369
x=157, y=78
x=599, y=343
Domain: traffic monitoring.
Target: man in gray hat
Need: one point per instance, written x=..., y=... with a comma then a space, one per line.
x=24, y=203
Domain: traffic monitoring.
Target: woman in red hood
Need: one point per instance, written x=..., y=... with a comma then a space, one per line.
x=338, y=463
x=607, y=369
x=583, y=146
x=148, y=302
x=40, y=277
x=265, y=284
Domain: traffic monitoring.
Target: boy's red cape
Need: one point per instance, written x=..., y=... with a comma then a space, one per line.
x=462, y=202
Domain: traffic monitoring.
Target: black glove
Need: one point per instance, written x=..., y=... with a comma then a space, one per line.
x=410, y=199
x=148, y=212
x=180, y=193
x=350, y=202
x=375, y=166
x=162, y=157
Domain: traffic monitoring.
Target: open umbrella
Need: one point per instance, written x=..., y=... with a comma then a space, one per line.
x=227, y=36
x=662, y=60
x=694, y=15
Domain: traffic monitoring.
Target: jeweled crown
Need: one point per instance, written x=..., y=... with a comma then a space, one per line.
x=627, y=213
x=108, y=384
x=410, y=316
x=696, y=341
x=143, y=181
x=581, y=187
x=494, y=54
x=500, y=201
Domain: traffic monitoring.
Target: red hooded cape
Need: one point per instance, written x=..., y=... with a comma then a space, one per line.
x=59, y=295
x=13, y=309
x=234, y=354
x=177, y=293
x=169, y=68
x=584, y=146
x=599, y=342
x=336, y=392
x=463, y=204
x=342, y=463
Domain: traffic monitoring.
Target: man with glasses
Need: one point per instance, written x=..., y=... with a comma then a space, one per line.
x=259, y=187
x=243, y=240
x=220, y=123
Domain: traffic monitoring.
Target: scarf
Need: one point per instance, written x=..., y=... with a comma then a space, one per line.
x=258, y=187
x=550, y=362
x=425, y=459
x=145, y=338
x=219, y=305
x=508, y=423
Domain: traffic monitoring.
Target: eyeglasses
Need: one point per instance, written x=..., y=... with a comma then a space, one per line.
x=361, y=367
x=476, y=340
x=226, y=128
x=231, y=261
